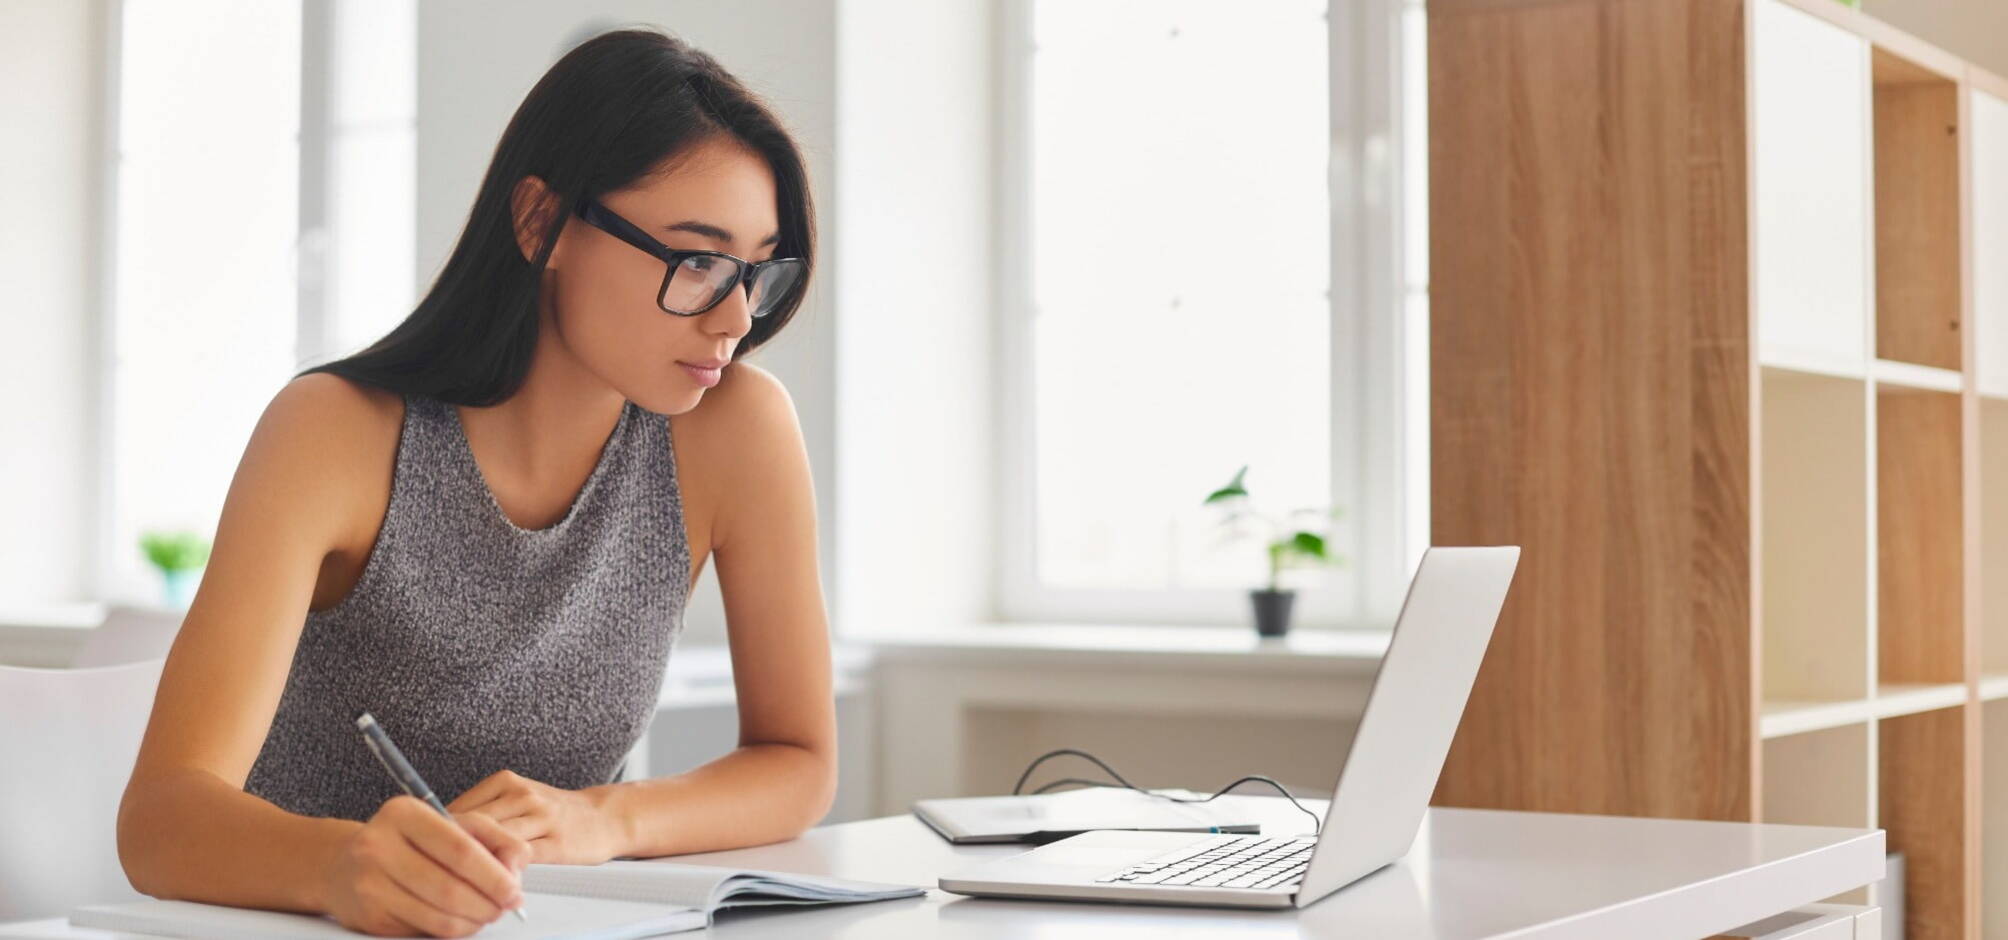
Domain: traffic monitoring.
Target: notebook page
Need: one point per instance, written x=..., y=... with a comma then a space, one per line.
x=552, y=917
x=752, y=886
x=701, y=886
x=629, y=880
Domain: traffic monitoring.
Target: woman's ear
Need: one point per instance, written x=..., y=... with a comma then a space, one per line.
x=532, y=206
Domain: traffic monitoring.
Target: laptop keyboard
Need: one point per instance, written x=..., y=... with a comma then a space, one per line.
x=1228, y=862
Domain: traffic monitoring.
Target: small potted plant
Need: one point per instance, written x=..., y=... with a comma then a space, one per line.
x=180, y=557
x=1292, y=540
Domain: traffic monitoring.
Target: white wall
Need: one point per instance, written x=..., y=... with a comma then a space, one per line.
x=896, y=405
x=914, y=460
x=477, y=59
x=51, y=120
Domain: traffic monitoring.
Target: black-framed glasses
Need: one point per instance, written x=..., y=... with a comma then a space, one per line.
x=697, y=280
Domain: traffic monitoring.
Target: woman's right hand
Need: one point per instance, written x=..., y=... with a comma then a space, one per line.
x=410, y=870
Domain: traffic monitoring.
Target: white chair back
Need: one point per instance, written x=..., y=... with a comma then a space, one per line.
x=68, y=739
x=129, y=635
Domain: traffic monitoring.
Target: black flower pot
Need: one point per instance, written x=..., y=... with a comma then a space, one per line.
x=1272, y=610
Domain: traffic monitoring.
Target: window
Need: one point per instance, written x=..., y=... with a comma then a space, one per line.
x=366, y=232
x=201, y=320
x=1204, y=269
x=246, y=131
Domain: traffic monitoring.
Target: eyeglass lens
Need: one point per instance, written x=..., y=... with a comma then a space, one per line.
x=701, y=280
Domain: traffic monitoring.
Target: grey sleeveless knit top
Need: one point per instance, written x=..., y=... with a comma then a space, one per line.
x=480, y=645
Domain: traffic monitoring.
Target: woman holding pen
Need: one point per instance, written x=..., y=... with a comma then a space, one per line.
x=483, y=528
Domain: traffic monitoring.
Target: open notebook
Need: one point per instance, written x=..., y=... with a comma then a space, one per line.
x=615, y=900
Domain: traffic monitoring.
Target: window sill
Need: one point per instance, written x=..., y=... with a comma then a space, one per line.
x=1236, y=648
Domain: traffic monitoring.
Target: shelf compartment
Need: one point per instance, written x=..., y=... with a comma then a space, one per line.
x=1921, y=800
x=1809, y=188
x=1820, y=778
x=1994, y=820
x=1988, y=128
x=1919, y=316
x=1919, y=537
x=1994, y=535
x=1816, y=560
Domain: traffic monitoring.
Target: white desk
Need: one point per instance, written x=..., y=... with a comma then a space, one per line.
x=1472, y=873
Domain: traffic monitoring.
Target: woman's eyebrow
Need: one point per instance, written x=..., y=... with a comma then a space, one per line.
x=708, y=230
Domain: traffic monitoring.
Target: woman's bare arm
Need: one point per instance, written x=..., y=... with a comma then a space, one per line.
x=186, y=827
x=314, y=478
x=782, y=777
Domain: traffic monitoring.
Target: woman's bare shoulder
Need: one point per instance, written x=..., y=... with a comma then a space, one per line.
x=333, y=404
x=327, y=433
x=722, y=442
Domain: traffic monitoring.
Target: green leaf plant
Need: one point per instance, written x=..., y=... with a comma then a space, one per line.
x=175, y=551
x=1291, y=541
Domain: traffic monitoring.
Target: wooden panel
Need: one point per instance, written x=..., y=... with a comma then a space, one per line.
x=1924, y=809
x=1920, y=536
x=1591, y=380
x=1918, y=310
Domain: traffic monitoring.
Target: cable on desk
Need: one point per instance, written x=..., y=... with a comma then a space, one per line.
x=1317, y=824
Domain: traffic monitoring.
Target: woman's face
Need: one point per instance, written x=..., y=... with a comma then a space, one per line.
x=601, y=292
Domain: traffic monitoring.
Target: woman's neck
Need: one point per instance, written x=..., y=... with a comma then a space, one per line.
x=555, y=423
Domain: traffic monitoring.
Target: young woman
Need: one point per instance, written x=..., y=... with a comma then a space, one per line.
x=483, y=528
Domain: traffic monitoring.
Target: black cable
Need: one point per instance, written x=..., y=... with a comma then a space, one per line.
x=1317, y=823
x=1076, y=780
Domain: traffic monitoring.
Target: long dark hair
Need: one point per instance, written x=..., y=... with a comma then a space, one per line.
x=608, y=113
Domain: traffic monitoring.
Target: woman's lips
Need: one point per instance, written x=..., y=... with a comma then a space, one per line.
x=702, y=376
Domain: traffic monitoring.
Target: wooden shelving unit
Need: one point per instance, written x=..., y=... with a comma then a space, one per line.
x=1719, y=335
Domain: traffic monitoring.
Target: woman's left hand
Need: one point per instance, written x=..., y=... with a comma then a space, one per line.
x=565, y=827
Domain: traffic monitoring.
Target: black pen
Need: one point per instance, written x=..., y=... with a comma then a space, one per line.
x=400, y=769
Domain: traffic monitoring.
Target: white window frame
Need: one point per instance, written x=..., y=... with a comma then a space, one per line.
x=1373, y=450
x=313, y=328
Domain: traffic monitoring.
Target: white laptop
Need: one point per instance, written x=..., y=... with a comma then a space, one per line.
x=1397, y=754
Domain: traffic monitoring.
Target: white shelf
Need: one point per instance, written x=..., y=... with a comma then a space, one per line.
x=1812, y=362
x=1993, y=686
x=1889, y=372
x=1891, y=699
x=1780, y=719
